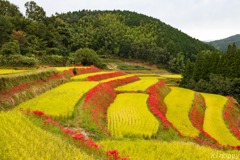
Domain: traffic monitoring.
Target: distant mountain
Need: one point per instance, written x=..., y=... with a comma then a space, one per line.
x=222, y=44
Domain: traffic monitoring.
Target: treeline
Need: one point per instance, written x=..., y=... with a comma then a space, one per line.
x=34, y=38
x=121, y=34
x=214, y=72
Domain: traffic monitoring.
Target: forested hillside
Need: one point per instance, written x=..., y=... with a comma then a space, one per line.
x=214, y=73
x=222, y=44
x=124, y=34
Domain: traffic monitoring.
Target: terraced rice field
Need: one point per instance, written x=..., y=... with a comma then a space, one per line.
x=128, y=116
x=21, y=139
x=145, y=78
x=179, y=102
x=155, y=150
x=7, y=71
x=61, y=69
x=172, y=76
x=137, y=86
x=146, y=75
x=114, y=78
x=84, y=76
x=59, y=102
x=213, y=121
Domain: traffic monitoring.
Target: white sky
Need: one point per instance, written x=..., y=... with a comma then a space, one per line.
x=202, y=19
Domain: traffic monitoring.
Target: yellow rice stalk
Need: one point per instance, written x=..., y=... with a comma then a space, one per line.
x=155, y=150
x=213, y=121
x=83, y=76
x=21, y=139
x=179, y=102
x=128, y=116
x=141, y=85
x=60, y=101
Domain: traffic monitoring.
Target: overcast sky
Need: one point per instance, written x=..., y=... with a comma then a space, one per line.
x=202, y=19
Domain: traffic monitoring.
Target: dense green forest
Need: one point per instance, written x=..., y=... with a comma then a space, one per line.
x=36, y=38
x=214, y=73
x=222, y=44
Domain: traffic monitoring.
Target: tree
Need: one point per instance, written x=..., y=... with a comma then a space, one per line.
x=213, y=62
x=34, y=12
x=205, y=68
x=9, y=9
x=187, y=73
x=198, y=67
x=88, y=57
x=10, y=48
x=20, y=36
x=5, y=29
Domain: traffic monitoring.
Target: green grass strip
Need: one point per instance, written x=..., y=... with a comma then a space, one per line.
x=213, y=122
x=59, y=102
x=128, y=116
x=141, y=85
x=83, y=76
x=179, y=102
x=21, y=139
x=114, y=78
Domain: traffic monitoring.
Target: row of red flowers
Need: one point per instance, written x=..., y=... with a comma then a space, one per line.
x=232, y=117
x=78, y=137
x=157, y=106
x=119, y=82
x=21, y=93
x=97, y=102
x=100, y=77
x=197, y=118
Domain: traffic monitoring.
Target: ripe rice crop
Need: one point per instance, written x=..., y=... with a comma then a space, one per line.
x=145, y=75
x=157, y=106
x=172, y=76
x=214, y=124
x=85, y=76
x=155, y=150
x=21, y=139
x=7, y=71
x=119, y=81
x=60, y=101
x=137, y=86
x=115, y=78
x=128, y=116
x=152, y=78
x=61, y=69
x=179, y=102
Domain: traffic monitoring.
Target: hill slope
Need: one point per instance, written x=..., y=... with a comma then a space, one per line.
x=131, y=35
x=222, y=44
